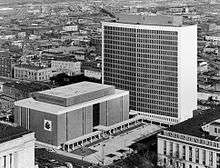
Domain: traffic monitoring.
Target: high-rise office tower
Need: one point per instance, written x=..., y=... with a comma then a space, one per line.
x=155, y=58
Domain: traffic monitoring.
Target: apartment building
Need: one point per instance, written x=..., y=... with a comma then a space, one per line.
x=32, y=73
x=69, y=67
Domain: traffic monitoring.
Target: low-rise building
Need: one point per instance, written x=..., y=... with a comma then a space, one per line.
x=68, y=112
x=92, y=69
x=66, y=66
x=93, y=73
x=6, y=64
x=16, y=147
x=202, y=66
x=194, y=143
x=70, y=28
x=22, y=90
x=32, y=73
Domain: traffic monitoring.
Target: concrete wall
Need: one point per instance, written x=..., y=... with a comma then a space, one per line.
x=187, y=72
x=103, y=113
x=114, y=111
x=61, y=129
x=36, y=124
x=72, y=124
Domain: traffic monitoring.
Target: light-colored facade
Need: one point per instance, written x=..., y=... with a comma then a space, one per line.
x=65, y=113
x=69, y=67
x=16, y=152
x=192, y=144
x=93, y=73
x=153, y=57
x=32, y=73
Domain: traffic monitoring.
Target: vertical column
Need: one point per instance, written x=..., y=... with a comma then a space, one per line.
x=1, y=161
x=193, y=154
x=13, y=160
x=214, y=159
x=187, y=152
x=200, y=156
x=8, y=161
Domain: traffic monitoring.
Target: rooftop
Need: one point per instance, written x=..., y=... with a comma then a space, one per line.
x=159, y=20
x=8, y=132
x=193, y=125
x=64, y=49
x=74, y=90
x=74, y=93
x=60, y=109
x=27, y=86
x=27, y=66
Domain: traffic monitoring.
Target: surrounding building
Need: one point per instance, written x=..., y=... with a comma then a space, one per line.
x=92, y=70
x=16, y=147
x=6, y=64
x=193, y=143
x=65, y=113
x=153, y=57
x=32, y=73
x=69, y=67
x=22, y=90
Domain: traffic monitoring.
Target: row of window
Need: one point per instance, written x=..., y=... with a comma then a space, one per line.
x=147, y=66
x=147, y=46
x=144, y=103
x=137, y=37
x=140, y=87
x=141, y=52
x=164, y=111
x=147, y=31
x=143, y=92
x=142, y=43
x=197, y=158
x=142, y=77
x=5, y=161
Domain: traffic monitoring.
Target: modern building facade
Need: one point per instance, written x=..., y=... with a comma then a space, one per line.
x=155, y=58
x=193, y=143
x=32, y=73
x=16, y=147
x=65, y=113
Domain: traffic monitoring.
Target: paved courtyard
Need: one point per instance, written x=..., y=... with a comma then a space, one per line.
x=117, y=146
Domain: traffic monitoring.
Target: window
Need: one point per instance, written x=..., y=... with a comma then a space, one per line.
x=197, y=155
x=177, y=150
x=190, y=153
x=4, y=162
x=165, y=148
x=203, y=157
x=184, y=166
x=10, y=160
x=216, y=130
x=171, y=148
x=184, y=152
x=218, y=160
x=210, y=158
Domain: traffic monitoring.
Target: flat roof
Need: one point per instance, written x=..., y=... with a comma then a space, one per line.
x=9, y=132
x=27, y=66
x=193, y=126
x=159, y=20
x=75, y=89
x=59, y=109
